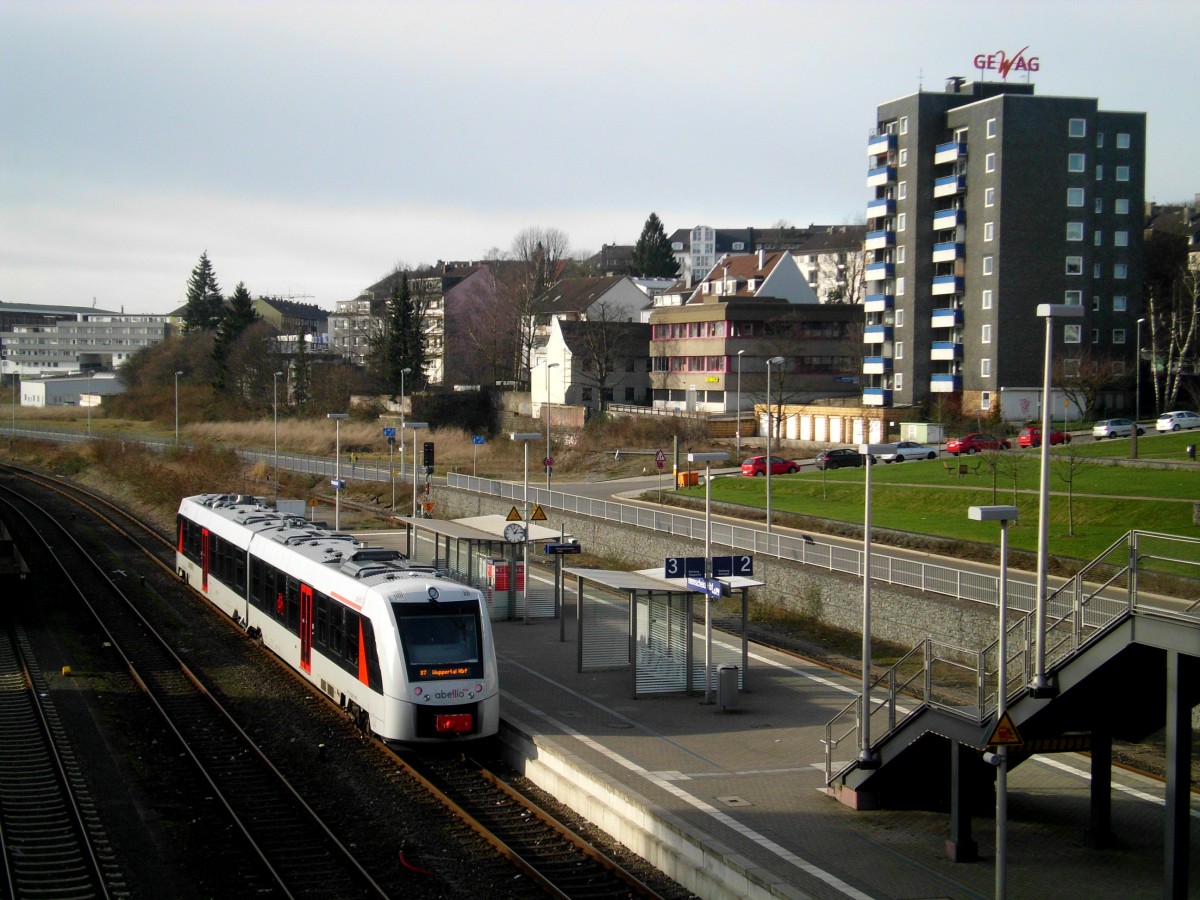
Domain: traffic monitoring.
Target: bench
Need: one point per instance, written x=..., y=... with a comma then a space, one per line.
x=961, y=468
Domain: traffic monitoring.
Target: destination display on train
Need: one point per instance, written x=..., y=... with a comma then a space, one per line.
x=444, y=672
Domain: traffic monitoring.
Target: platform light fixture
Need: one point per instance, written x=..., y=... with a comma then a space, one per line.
x=525, y=437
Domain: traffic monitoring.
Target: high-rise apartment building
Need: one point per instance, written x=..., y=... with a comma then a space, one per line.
x=987, y=201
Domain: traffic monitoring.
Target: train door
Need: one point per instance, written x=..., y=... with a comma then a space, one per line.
x=306, y=627
x=204, y=558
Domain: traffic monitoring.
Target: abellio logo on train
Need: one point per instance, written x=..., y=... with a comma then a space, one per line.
x=1003, y=63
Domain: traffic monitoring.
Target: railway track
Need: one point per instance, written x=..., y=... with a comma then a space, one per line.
x=292, y=851
x=548, y=853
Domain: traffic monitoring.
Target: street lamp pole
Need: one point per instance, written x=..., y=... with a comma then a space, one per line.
x=708, y=459
x=1049, y=312
x=1137, y=392
x=773, y=361
x=405, y=371
x=414, y=427
x=177, y=374
x=549, y=366
x=337, y=467
x=89, y=404
x=275, y=405
x=738, y=451
x=1003, y=515
x=866, y=756
x=525, y=437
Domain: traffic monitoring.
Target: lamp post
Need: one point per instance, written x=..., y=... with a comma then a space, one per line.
x=738, y=451
x=337, y=467
x=1137, y=392
x=707, y=459
x=414, y=427
x=773, y=361
x=89, y=404
x=1049, y=312
x=866, y=757
x=403, y=372
x=1003, y=515
x=549, y=366
x=275, y=405
x=525, y=437
x=177, y=374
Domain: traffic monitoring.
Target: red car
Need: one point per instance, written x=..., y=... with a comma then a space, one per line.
x=974, y=442
x=757, y=465
x=1032, y=437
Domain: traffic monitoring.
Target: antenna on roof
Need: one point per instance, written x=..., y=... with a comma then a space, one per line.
x=920, y=80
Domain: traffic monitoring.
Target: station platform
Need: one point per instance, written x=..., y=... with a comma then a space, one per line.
x=730, y=802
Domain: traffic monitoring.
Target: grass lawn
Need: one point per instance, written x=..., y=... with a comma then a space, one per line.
x=924, y=497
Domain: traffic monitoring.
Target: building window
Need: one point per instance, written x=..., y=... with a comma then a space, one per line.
x=1098, y=238
x=987, y=265
x=989, y=231
x=1073, y=298
x=901, y=255
x=1077, y=128
x=1075, y=197
x=1121, y=207
x=1120, y=271
x=1120, y=238
x=1074, y=231
x=985, y=334
x=1095, y=335
x=1099, y=173
x=1074, y=265
x=1118, y=335
x=985, y=368
x=899, y=318
x=985, y=400
x=1095, y=303
x=991, y=128
x=989, y=196
x=1122, y=173
x=901, y=221
x=899, y=351
x=1075, y=162
x=739, y=245
x=1119, y=303
x=986, y=302
x=1099, y=139
x=904, y=124
x=989, y=163
x=1072, y=334
x=1122, y=140
x=904, y=157
x=902, y=191
x=1096, y=271
x=900, y=286
x=898, y=381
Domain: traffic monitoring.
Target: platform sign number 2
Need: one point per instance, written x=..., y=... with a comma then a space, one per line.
x=728, y=566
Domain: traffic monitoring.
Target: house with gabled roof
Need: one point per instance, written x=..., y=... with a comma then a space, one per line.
x=613, y=298
x=592, y=363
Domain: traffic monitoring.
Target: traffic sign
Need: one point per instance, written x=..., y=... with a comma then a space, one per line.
x=660, y=458
x=514, y=516
x=478, y=439
x=338, y=484
x=1005, y=733
x=548, y=462
x=389, y=432
x=556, y=549
x=538, y=514
x=428, y=505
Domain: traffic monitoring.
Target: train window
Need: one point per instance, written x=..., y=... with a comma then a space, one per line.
x=374, y=677
x=292, y=597
x=441, y=640
x=351, y=650
x=321, y=631
x=337, y=628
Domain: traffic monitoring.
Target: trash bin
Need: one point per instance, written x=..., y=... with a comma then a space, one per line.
x=727, y=686
x=1191, y=451
x=687, y=479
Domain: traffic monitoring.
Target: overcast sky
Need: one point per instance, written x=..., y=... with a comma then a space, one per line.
x=311, y=147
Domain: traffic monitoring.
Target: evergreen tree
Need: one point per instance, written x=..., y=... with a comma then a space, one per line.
x=236, y=319
x=301, y=373
x=204, y=301
x=652, y=257
x=403, y=347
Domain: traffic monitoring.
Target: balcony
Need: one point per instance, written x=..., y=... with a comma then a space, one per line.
x=948, y=252
x=945, y=384
x=946, y=284
x=947, y=318
x=876, y=334
x=879, y=240
x=878, y=303
x=877, y=365
x=949, y=152
x=879, y=271
x=881, y=208
x=880, y=143
x=949, y=186
x=880, y=176
x=945, y=351
x=948, y=218
x=877, y=397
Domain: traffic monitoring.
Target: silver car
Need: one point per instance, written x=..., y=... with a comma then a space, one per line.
x=908, y=450
x=1114, y=428
x=1176, y=419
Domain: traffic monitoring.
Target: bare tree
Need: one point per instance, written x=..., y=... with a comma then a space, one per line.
x=537, y=255
x=1085, y=377
x=846, y=272
x=1067, y=466
x=606, y=343
x=1173, y=316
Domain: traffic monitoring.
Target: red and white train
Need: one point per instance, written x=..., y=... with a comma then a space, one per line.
x=407, y=654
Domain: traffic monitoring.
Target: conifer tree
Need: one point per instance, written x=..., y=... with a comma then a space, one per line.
x=236, y=319
x=301, y=373
x=652, y=256
x=204, y=301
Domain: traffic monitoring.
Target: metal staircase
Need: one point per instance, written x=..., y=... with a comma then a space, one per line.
x=1145, y=579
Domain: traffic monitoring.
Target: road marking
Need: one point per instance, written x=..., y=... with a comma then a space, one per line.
x=1124, y=789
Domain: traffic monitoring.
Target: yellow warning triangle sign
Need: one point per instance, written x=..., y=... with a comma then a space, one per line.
x=513, y=516
x=1005, y=733
x=538, y=514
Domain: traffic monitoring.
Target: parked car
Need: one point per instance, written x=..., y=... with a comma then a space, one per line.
x=1176, y=419
x=839, y=458
x=1032, y=437
x=1114, y=428
x=757, y=465
x=974, y=442
x=909, y=450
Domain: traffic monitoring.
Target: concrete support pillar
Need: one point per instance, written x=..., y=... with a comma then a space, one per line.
x=1179, y=776
x=1099, y=833
x=959, y=846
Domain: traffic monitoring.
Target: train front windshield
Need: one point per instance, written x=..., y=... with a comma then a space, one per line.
x=440, y=640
